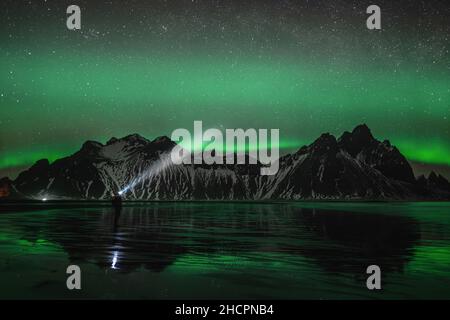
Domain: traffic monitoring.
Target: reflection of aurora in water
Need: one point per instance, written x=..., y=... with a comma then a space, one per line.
x=156, y=234
x=238, y=244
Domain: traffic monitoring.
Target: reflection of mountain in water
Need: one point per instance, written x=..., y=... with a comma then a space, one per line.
x=359, y=240
x=154, y=236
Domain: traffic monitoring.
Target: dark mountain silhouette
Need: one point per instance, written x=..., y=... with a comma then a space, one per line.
x=355, y=166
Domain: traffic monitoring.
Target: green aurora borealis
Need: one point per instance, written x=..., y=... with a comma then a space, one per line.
x=60, y=88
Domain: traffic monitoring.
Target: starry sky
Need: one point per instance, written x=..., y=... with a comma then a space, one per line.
x=149, y=67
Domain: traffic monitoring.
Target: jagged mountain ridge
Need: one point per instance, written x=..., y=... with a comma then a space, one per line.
x=355, y=166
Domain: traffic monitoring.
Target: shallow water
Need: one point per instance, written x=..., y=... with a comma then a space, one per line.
x=301, y=250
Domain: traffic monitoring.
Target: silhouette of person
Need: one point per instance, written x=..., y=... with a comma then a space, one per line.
x=117, y=204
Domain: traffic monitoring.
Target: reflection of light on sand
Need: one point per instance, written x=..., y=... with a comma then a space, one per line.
x=158, y=166
x=114, y=260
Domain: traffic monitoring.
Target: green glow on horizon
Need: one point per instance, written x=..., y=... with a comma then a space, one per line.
x=434, y=152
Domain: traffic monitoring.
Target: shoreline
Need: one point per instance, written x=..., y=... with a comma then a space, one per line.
x=11, y=206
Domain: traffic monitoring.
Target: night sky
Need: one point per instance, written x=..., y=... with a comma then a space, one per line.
x=149, y=67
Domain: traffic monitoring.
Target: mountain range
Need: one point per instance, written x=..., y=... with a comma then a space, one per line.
x=354, y=166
